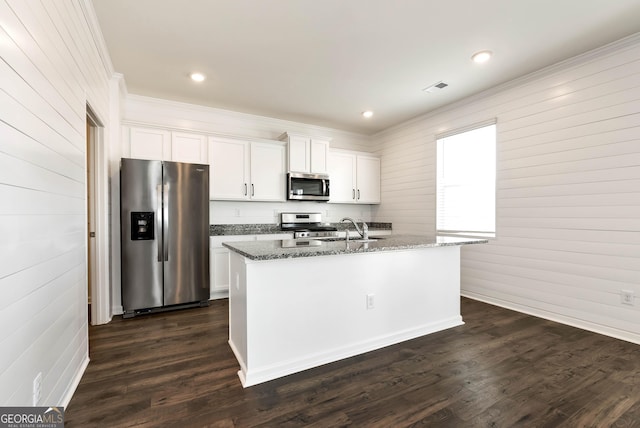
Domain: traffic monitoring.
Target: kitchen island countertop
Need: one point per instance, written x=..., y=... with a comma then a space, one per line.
x=290, y=311
x=285, y=249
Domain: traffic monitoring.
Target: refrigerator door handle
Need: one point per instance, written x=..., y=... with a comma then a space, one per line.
x=159, y=222
x=165, y=222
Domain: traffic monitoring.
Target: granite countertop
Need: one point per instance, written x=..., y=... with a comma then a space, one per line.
x=290, y=248
x=269, y=229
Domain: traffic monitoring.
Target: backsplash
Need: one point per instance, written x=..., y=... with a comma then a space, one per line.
x=230, y=212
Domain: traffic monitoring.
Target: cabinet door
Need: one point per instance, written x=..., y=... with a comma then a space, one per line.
x=219, y=272
x=219, y=259
x=319, y=152
x=149, y=143
x=229, y=169
x=299, y=154
x=342, y=177
x=368, y=180
x=267, y=172
x=190, y=148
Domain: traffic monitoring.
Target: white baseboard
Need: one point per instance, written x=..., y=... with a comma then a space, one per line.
x=250, y=377
x=216, y=295
x=551, y=316
x=66, y=399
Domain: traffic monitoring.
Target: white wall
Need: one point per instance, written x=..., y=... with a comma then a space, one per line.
x=51, y=68
x=568, y=190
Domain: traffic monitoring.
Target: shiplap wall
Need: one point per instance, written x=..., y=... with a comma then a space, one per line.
x=50, y=69
x=568, y=190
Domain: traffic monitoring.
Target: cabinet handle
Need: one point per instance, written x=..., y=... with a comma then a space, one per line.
x=245, y=189
x=358, y=194
x=353, y=194
x=253, y=190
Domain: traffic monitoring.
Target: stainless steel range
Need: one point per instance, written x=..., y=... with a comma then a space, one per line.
x=307, y=226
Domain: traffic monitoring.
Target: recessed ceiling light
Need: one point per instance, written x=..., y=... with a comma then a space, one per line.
x=197, y=77
x=482, y=56
x=367, y=114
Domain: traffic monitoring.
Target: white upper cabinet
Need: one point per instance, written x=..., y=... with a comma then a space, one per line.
x=342, y=177
x=191, y=148
x=268, y=172
x=159, y=144
x=228, y=169
x=148, y=143
x=367, y=179
x=354, y=177
x=246, y=170
x=319, y=154
x=307, y=155
x=299, y=154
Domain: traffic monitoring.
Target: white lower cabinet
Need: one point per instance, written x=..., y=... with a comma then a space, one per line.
x=219, y=260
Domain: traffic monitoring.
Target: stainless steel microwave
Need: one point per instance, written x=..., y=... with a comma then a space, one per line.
x=307, y=187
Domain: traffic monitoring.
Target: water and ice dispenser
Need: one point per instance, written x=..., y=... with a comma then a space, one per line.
x=142, y=226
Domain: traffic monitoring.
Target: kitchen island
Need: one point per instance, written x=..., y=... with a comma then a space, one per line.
x=296, y=304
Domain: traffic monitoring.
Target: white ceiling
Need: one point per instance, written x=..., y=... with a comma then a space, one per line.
x=323, y=62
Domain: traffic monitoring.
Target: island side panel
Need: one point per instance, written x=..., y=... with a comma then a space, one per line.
x=305, y=312
x=238, y=311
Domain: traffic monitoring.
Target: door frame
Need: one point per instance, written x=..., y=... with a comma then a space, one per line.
x=100, y=292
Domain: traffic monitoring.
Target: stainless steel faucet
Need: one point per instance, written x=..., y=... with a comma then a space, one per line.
x=364, y=233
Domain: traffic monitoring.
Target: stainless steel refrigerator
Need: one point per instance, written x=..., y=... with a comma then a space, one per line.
x=164, y=222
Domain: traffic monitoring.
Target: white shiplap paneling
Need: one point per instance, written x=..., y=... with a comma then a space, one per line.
x=568, y=190
x=50, y=69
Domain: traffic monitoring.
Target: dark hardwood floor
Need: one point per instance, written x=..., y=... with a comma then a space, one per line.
x=501, y=369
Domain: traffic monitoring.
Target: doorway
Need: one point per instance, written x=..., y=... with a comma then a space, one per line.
x=91, y=212
x=97, y=232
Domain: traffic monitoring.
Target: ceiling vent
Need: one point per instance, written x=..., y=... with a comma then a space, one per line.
x=435, y=86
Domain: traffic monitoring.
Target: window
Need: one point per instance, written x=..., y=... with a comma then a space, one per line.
x=466, y=182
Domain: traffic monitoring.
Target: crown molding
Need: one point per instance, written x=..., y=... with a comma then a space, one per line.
x=287, y=125
x=96, y=33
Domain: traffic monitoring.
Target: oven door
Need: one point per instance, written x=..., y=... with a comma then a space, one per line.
x=308, y=187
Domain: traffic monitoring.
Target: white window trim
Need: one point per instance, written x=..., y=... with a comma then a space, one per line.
x=467, y=233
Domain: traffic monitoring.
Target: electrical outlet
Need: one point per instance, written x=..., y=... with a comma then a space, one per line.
x=370, y=301
x=627, y=297
x=37, y=388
